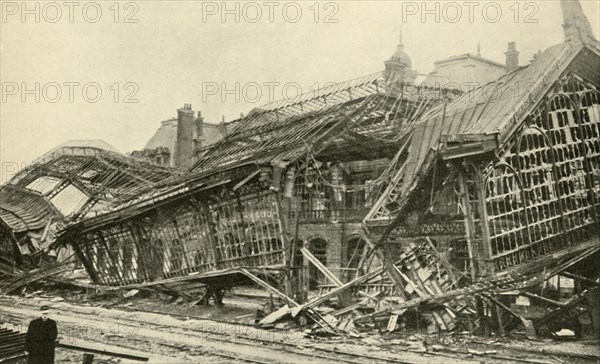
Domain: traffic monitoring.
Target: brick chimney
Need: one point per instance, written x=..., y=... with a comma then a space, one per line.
x=512, y=57
x=184, y=145
x=223, y=126
x=198, y=131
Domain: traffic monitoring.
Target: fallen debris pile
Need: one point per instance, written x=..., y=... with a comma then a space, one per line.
x=429, y=294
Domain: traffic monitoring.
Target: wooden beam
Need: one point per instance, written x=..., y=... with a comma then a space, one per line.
x=485, y=227
x=455, y=138
x=245, y=180
x=86, y=263
x=334, y=292
x=468, y=220
x=282, y=227
x=328, y=274
x=575, y=300
x=268, y=287
x=176, y=292
x=505, y=308
x=547, y=300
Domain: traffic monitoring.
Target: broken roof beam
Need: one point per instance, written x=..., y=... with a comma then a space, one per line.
x=326, y=272
x=312, y=133
x=336, y=291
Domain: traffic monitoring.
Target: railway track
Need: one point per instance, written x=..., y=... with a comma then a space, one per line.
x=231, y=345
x=303, y=356
x=287, y=346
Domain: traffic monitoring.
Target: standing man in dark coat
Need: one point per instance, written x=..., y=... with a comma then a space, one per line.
x=40, y=339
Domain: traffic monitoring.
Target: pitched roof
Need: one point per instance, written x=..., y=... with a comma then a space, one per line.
x=280, y=130
x=165, y=136
x=463, y=71
x=469, y=56
x=491, y=111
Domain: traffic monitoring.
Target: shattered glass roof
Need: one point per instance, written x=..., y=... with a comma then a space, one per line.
x=25, y=210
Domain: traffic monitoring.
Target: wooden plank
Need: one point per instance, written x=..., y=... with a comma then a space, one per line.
x=285, y=309
x=275, y=315
x=447, y=138
x=392, y=322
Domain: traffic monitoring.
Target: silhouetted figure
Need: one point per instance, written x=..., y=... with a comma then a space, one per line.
x=40, y=339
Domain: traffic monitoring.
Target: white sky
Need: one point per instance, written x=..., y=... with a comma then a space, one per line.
x=171, y=53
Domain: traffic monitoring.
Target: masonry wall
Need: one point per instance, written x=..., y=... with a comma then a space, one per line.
x=336, y=236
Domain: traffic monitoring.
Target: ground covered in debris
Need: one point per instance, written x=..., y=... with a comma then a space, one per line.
x=170, y=330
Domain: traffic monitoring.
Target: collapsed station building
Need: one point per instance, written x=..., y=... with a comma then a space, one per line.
x=381, y=192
